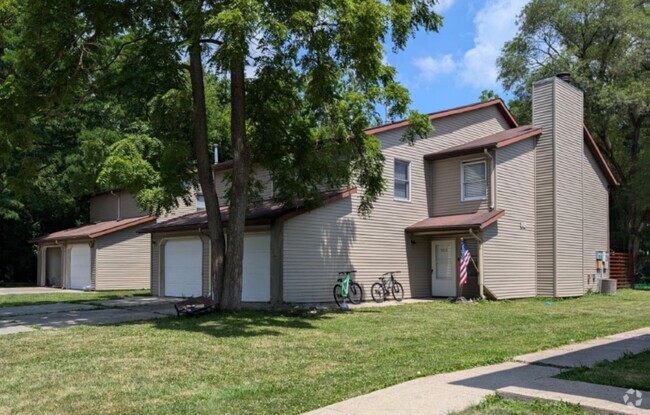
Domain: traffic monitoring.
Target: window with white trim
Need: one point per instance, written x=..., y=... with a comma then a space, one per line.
x=200, y=203
x=402, y=180
x=473, y=180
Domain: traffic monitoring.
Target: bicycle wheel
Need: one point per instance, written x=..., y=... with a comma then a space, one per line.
x=338, y=294
x=377, y=292
x=398, y=291
x=355, y=294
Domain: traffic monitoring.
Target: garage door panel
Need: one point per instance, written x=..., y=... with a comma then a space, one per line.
x=256, y=280
x=183, y=268
x=80, y=267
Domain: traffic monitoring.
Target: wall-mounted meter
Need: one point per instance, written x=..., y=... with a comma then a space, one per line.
x=602, y=258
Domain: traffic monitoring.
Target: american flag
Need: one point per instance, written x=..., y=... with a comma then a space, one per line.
x=465, y=257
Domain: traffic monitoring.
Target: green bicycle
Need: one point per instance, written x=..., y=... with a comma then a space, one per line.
x=346, y=289
x=380, y=290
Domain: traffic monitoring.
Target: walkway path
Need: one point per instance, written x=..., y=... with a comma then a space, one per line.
x=59, y=315
x=526, y=378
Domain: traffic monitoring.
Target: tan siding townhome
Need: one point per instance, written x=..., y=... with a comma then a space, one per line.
x=529, y=203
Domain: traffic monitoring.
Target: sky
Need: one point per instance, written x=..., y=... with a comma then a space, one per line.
x=450, y=68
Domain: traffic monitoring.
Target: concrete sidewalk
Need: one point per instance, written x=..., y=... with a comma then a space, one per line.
x=528, y=377
x=61, y=315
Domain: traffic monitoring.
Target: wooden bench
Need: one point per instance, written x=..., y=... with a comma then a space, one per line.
x=195, y=306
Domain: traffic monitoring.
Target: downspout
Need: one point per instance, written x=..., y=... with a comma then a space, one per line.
x=480, y=263
x=119, y=204
x=491, y=194
x=201, y=235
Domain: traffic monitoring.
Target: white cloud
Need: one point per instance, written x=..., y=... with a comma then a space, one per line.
x=495, y=23
x=430, y=68
x=443, y=5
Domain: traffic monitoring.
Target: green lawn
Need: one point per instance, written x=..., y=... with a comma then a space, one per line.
x=271, y=363
x=632, y=371
x=495, y=405
x=64, y=297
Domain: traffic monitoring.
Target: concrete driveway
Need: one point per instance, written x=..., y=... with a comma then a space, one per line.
x=60, y=315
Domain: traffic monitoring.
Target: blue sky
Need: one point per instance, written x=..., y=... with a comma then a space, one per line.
x=451, y=68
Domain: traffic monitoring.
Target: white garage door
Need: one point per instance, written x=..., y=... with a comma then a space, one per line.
x=80, y=267
x=256, y=283
x=183, y=268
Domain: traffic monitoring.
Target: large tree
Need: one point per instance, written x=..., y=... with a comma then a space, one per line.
x=316, y=73
x=604, y=45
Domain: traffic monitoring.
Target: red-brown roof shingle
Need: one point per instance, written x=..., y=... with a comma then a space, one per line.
x=94, y=230
x=262, y=213
x=480, y=219
x=498, y=140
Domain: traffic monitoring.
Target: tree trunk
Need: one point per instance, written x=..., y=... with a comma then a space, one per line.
x=635, y=215
x=204, y=166
x=231, y=295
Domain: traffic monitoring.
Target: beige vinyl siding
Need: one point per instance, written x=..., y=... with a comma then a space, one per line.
x=596, y=212
x=158, y=260
x=543, y=116
x=182, y=208
x=446, y=187
x=509, y=250
x=103, y=207
x=568, y=190
x=129, y=207
x=123, y=260
x=222, y=183
x=333, y=238
x=109, y=206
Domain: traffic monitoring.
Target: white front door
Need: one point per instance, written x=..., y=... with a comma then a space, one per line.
x=183, y=268
x=256, y=278
x=443, y=268
x=80, y=267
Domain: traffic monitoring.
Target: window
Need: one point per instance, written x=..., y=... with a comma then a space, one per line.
x=200, y=202
x=402, y=180
x=473, y=180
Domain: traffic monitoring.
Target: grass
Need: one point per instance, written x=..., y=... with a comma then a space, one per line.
x=630, y=371
x=64, y=297
x=495, y=405
x=274, y=363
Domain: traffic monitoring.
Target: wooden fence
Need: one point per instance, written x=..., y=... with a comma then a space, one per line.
x=620, y=269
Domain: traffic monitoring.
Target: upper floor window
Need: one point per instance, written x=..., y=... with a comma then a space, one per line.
x=200, y=202
x=473, y=180
x=402, y=180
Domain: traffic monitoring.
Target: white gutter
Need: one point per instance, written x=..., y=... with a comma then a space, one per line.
x=480, y=262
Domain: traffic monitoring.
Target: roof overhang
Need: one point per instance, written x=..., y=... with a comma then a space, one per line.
x=265, y=213
x=600, y=159
x=94, y=230
x=478, y=220
x=497, y=103
x=490, y=142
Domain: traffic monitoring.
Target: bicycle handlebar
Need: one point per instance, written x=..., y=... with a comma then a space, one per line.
x=392, y=272
x=347, y=272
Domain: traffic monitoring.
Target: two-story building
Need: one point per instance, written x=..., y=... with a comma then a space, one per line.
x=107, y=253
x=530, y=202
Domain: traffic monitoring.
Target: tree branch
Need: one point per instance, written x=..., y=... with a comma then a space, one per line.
x=213, y=41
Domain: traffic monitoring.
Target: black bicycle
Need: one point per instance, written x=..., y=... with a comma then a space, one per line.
x=387, y=286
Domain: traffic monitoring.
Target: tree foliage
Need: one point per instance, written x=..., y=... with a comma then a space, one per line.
x=160, y=81
x=604, y=45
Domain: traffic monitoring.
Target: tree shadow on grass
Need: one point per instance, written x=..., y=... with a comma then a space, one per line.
x=245, y=323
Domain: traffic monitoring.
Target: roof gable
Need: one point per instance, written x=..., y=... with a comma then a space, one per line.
x=600, y=159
